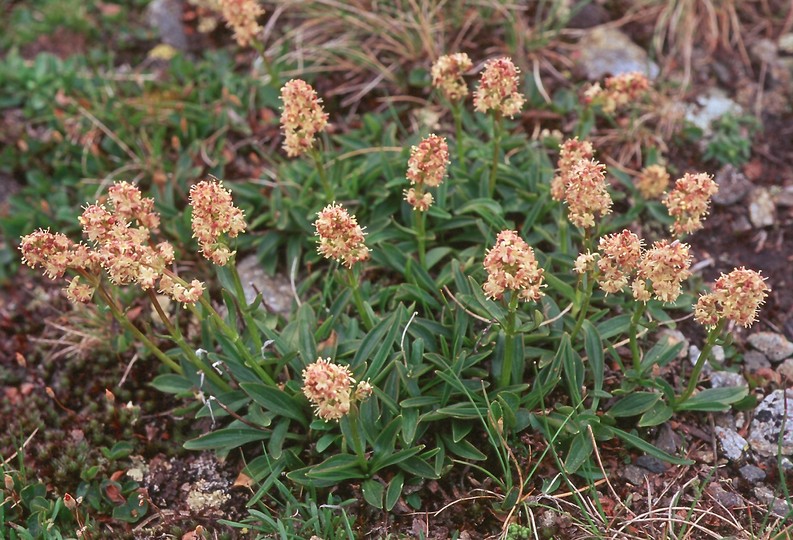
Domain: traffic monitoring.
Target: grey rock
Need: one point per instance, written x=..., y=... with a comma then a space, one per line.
x=728, y=499
x=785, y=370
x=166, y=17
x=276, y=291
x=717, y=353
x=785, y=43
x=732, y=444
x=711, y=106
x=752, y=474
x=733, y=186
x=589, y=15
x=727, y=379
x=667, y=439
x=762, y=209
x=673, y=337
x=765, y=50
x=766, y=427
x=754, y=361
x=786, y=464
x=785, y=197
x=607, y=51
x=775, y=346
x=741, y=225
x=651, y=463
x=775, y=504
x=634, y=475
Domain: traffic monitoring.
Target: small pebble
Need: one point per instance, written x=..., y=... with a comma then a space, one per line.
x=754, y=361
x=634, y=475
x=727, y=379
x=785, y=370
x=732, y=444
x=775, y=346
x=651, y=463
x=752, y=473
x=733, y=186
x=766, y=426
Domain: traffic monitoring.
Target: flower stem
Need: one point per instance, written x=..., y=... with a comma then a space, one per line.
x=315, y=154
x=509, y=350
x=588, y=287
x=496, y=152
x=421, y=236
x=458, y=130
x=634, y=342
x=358, y=299
x=355, y=435
x=713, y=334
x=246, y=314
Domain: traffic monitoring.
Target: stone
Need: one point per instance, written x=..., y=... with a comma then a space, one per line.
x=276, y=291
x=752, y=473
x=710, y=106
x=733, y=186
x=667, y=439
x=608, y=51
x=727, y=379
x=774, y=346
x=754, y=361
x=166, y=17
x=741, y=225
x=785, y=370
x=762, y=209
x=651, y=463
x=785, y=43
x=766, y=427
x=634, y=475
x=728, y=499
x=732, y=444
x=775, y=504
x=674, y=337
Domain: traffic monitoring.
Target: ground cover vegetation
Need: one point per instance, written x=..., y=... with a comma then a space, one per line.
x=481, y=270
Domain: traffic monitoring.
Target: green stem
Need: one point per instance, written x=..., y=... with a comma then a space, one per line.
x=589, y=286
x=713, y=334
x=358, y=299
x=458, y=130
x=357, y=443
x=509, y=350
x=192, y=357
x=421, y=235
x=268, y=66
x=634, y=342
x=315, y=154
x=126, y=323
x=246, y=314
x=496, y=152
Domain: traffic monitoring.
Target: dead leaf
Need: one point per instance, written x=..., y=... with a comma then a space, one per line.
x=243, y=480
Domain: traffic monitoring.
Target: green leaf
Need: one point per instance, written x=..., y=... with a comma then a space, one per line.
x=373, y=492
x=646, y=447
x=614, y=326
x=713, y=399
x=579, y=452
x=394, y=491
x=276, y=400
x=657, y=415
x=560, y=286
x=307, y=323
x=634, y=404
x=226, y=439
x=594, y=351
x=172, y=384
x=335, y=469
x=418, y=467
x=661, y=354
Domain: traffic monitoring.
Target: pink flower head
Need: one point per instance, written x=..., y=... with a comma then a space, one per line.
x=688, y=202
x=511, y=264
x=180, y=293
x=498, y=88
x=619, y=254
x=78, y=292
x=129, y=204
x=620, y=91
x=571, y=152
x=241, y=17
x=428, y=161
x=447, y=75
x=330, y=388
x=51, y=251
x=652, y=181
x=419, y=201
x=214, y=214
x=736, y=296
x=340, y=236
x=665, y=266
x=586, y=193
x=302, y=117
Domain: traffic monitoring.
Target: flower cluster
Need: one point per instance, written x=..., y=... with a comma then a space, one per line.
x=447, y=75
x=586, y=193
x=214, y=214
x=620, y=91
x=571, y=152
x=340, y=236
x=735, y=296
x=665, y=266
x=302, y=116
x=241, y=17
x=688, y=202
x=652, y=181
x=329, y=387
x=511, y=264
x=619, y=254
x=426, y=168
x=498, y=88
